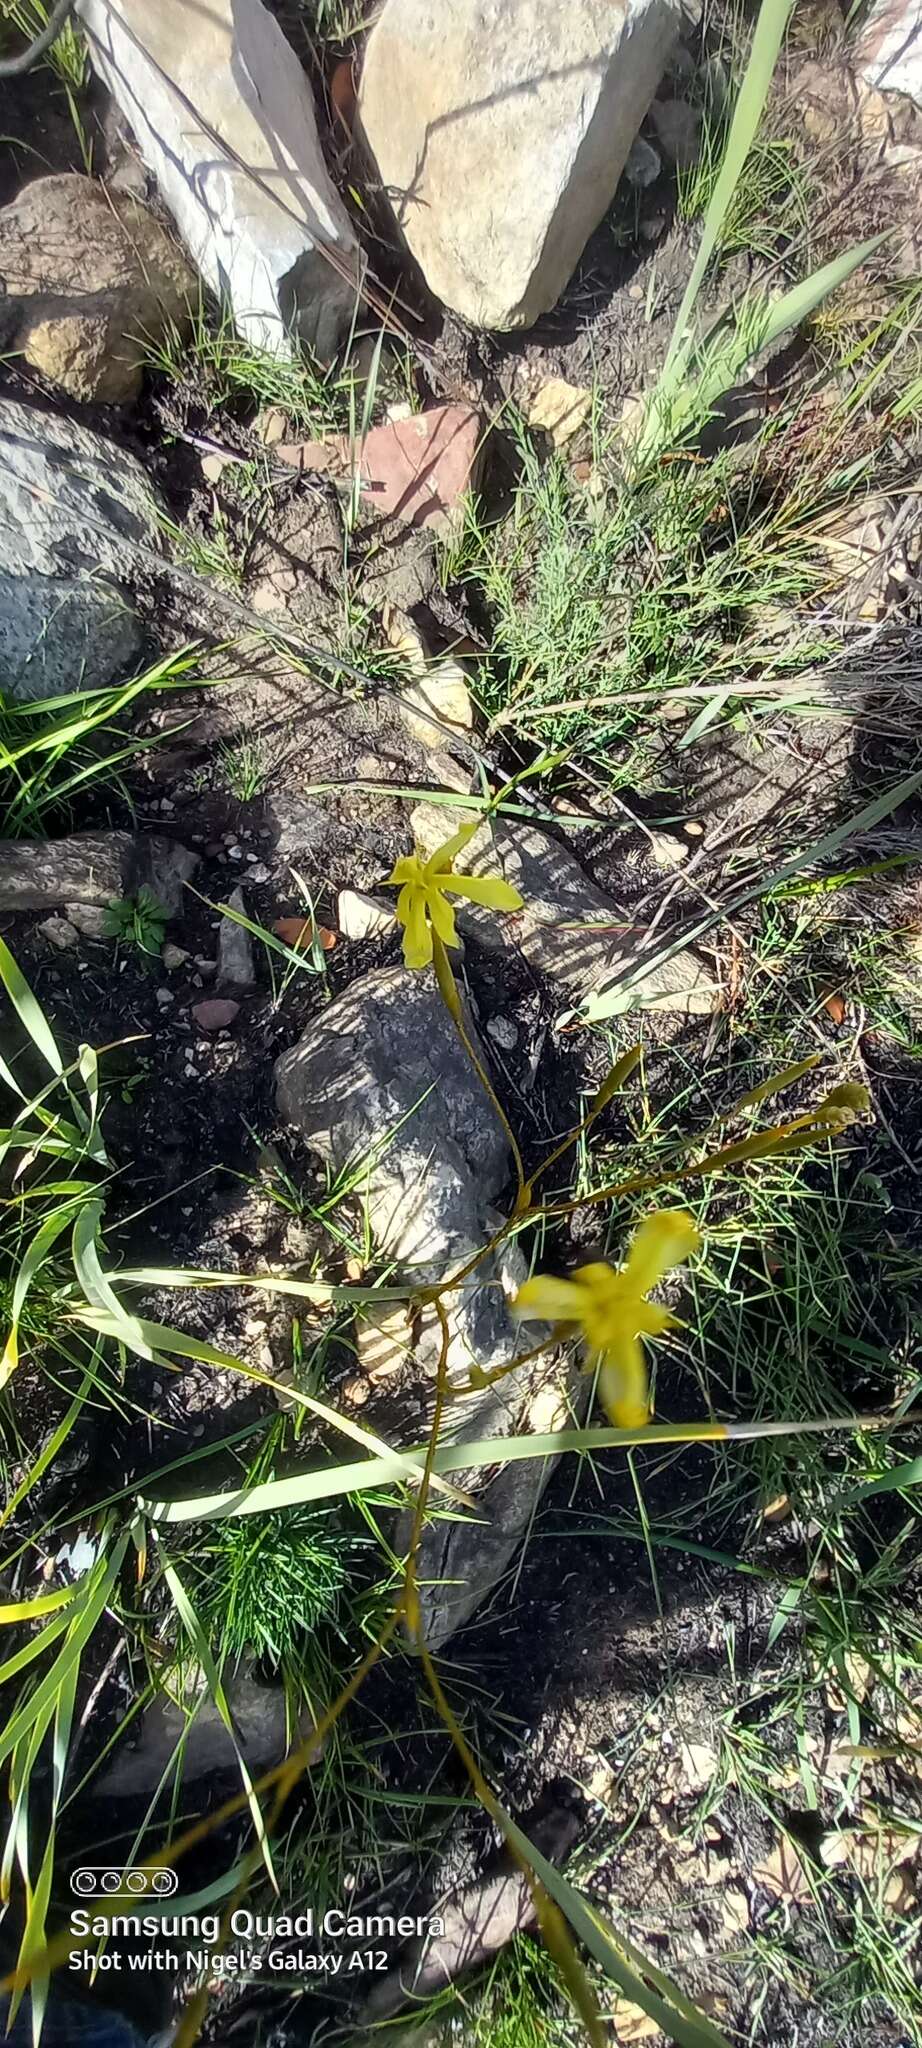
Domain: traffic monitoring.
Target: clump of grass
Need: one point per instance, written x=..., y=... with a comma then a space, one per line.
x=771, y=203
x=238, y=510
x=269, y=1583
x=337, y=21
x=243, y=767
x=67, y=60
x=219, y=367
x=57, y=750
x=67, y=57
x=848, y=950
x=601, y=605
x=518, y=2002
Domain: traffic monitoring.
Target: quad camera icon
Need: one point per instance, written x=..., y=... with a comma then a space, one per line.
x=100, y=1881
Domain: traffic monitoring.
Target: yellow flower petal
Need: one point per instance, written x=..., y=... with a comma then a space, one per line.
x=653, y=1321
x=442, y=915
x=407, y=869
x=488, y=889
x=623, y=1385
x=546, y=1300
x=600, y=1281
x=662, y=1241
x=417, y=938
x=440, y=861
x=605, y=1309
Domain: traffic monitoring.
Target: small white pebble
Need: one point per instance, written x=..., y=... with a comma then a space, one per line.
x=503, y=1032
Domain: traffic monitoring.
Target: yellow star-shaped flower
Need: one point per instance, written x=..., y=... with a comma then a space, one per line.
x=611, y=1312
x=423, y=884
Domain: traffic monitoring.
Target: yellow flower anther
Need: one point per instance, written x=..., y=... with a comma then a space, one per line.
x=611, y=1312
x=423, y=884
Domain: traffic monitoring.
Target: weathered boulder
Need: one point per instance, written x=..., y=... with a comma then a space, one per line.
x=87, y=278
x=224, y=119
x=888, y=52
x=499, y=129
x=92, y=868
x=74, y=513
x=384, y=1063
x=567, y=928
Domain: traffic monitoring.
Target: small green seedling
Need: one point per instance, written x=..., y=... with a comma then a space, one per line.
x=138, y=921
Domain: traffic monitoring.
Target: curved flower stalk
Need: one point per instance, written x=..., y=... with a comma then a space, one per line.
x=610, y=1310
x=424, y=885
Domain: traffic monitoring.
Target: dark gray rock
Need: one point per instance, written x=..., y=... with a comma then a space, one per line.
x=235, y=949
x=75, y=514
x=92, y=868
x=260, y=1721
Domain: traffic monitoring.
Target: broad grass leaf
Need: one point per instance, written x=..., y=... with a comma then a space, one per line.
x=154, y=1340
x=212, y=1675
x=93, y=1594
x=42, y=1243
x=637, y=1977
x=29, y=1011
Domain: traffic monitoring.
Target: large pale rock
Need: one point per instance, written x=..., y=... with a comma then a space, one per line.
x=888, y=53
x=499, y=129
x=224, y=118
x=74, y=513
x=87, y=279
x=384, y=1062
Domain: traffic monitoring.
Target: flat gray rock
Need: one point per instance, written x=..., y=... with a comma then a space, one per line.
x=499, y=130
x=92, y=868
x=75, y=511
x=380, y=1081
